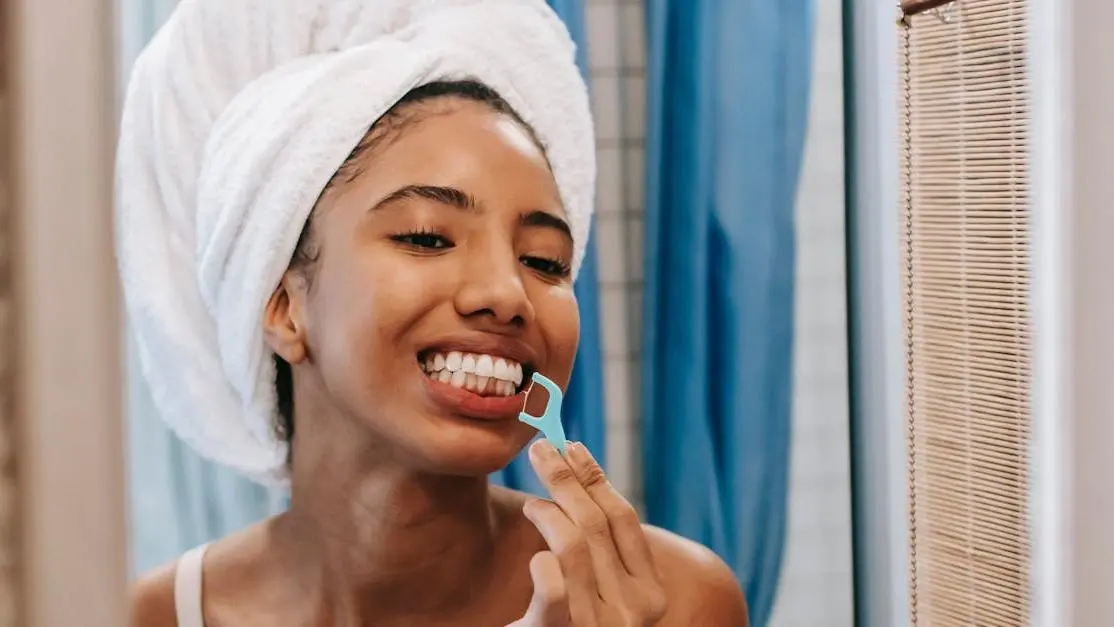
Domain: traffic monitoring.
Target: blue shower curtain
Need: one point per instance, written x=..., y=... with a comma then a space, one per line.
x=179, y=500
x=584, y=401
x=728, y=104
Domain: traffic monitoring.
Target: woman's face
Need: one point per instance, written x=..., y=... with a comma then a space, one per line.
x=441, y=283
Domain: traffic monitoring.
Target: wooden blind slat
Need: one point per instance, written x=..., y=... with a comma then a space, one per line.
x=965, y=200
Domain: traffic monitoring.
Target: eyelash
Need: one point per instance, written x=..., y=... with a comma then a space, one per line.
x=425, y=239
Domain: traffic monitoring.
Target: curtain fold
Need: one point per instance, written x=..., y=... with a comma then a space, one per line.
x=583, y=411
x=728, y=87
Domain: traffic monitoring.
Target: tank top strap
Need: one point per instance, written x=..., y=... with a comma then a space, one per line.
x=187, y=587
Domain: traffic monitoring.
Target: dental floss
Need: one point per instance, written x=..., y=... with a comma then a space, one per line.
x=549, y=423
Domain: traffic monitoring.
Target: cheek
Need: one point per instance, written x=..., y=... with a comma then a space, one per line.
x=559, y=316
x=361, y=313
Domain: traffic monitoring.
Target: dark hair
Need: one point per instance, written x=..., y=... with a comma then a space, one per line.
x=384, y=131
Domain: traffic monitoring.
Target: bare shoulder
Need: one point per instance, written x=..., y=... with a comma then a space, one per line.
x=701, y=588
x=152, y=599
x=232, y=565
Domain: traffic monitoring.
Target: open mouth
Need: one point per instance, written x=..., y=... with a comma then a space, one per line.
x=478, y=373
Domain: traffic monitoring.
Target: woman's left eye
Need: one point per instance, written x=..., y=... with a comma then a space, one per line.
x=423, y=239
x=552, y=267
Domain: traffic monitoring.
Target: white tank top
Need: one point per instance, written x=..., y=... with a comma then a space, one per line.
x=187, y=588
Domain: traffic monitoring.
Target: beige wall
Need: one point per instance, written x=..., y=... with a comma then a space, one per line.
x=1089, y=265
x=1073, y=307
x=66, y=349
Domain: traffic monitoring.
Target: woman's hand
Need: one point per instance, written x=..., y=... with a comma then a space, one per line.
x=598, y=571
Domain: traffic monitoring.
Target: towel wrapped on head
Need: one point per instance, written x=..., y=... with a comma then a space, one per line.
x=237, y=115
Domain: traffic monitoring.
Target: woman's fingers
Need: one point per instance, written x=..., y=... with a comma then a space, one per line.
x=602, y=549
x=549, y=605
x=573, y=555
x=621, y=516
x=563, y=483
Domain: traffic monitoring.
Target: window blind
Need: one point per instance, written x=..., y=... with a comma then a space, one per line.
x=964, y=167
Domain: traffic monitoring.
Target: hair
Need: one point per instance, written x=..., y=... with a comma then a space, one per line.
x=401, y=116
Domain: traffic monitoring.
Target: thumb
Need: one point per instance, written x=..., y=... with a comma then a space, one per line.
x=549, y=606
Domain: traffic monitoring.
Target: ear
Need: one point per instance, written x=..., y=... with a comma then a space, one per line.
x=284, y=325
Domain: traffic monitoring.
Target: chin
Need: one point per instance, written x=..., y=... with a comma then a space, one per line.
x=469, y=450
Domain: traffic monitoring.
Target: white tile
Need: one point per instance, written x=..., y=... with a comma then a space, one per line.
x=632, y=28
x=617, y=373
x=635, y=245
x=609, y=180
x=634, y=369
x=611, y=238
x=634, y=316
x=622, y=449
x=634, y=175
x=622, y=438
x=602, y=22
x=613, y=323
x=634, y=111
x=620, y=456
x=606, y=106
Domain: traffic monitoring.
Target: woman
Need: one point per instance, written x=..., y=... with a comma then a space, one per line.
x=433, y=276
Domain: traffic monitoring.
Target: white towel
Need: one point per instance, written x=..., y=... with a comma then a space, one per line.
x=237, y=114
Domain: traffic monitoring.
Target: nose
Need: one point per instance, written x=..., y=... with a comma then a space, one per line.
x=491, y=286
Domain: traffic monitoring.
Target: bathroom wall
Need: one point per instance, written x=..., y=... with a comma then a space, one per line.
x=617, y=58
x=816, y=586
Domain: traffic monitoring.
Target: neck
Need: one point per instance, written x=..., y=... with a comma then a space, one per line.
x=386, y=541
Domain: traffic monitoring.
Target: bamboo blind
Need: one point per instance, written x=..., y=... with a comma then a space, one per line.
x=966, y=241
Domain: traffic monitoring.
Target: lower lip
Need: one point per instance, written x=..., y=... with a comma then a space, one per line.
x=472, y=405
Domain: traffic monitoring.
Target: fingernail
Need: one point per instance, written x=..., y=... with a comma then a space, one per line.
x=528, y=510
x=542, y=449
x=577, y=451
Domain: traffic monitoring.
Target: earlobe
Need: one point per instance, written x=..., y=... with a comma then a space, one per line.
x=283, y=327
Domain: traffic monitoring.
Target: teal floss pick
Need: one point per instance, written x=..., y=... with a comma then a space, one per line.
x=549, y=423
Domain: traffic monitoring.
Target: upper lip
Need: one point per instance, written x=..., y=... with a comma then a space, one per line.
x=486, y=344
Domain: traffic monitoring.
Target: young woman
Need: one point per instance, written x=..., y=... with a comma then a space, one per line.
x=433, y=276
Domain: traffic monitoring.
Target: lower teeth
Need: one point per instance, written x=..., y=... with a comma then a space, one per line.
x=490, y=387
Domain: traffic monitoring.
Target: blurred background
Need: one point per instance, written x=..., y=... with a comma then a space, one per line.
x=846, y=311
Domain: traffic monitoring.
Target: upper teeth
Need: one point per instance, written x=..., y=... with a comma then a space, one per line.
x=475, y=371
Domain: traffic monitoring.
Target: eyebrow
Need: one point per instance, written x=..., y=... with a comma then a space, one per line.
x=464, y=201
x=450, y=196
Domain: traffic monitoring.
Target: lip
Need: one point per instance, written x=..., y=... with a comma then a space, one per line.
x=471, y=405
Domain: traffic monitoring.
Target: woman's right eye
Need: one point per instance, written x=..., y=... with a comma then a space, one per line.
x=423, y=239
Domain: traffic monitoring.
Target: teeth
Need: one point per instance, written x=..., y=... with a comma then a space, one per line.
x=483, y=374
x=457, y=379
x=484, y=367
